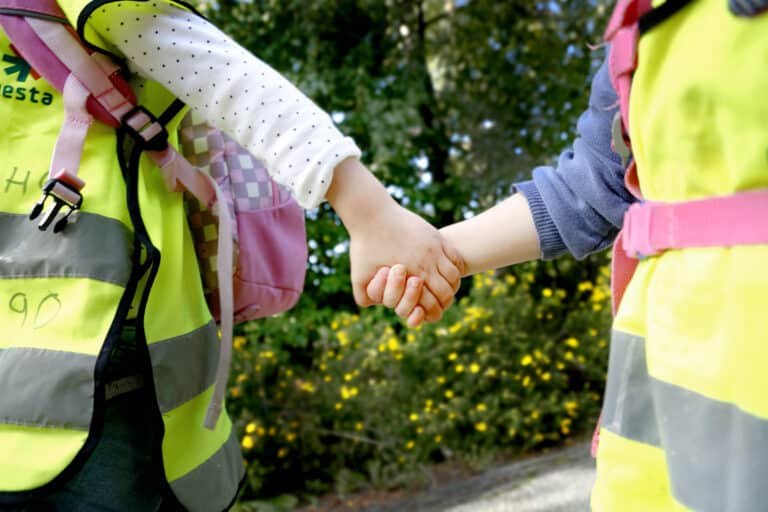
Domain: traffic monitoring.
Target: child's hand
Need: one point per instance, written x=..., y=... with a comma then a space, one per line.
x=406, y=295
x=398, y=235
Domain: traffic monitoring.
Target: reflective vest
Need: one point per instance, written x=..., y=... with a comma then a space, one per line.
x=65, y=297
x=685, y=417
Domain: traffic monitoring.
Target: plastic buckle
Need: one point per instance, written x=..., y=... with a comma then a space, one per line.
x=636, y=238
x=64, y=195
x=145, y=128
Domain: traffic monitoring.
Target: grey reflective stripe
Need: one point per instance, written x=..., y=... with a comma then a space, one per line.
x=628, y=404
x=46, y=388
x=25, y=251
x=717, y=454
x=184, y=366
x=214, y=484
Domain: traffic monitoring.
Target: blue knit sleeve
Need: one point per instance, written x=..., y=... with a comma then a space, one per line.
x=578, y=205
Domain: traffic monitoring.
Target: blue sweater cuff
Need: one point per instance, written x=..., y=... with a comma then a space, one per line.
x=550, y=242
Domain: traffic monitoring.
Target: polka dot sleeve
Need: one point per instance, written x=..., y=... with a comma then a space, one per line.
x=235, y=91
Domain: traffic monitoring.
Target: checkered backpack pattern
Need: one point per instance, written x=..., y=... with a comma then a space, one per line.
x=270, y=236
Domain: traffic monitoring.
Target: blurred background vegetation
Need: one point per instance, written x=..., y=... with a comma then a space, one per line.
x=452, y=101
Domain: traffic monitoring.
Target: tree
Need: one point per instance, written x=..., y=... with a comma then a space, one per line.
x=451, y=101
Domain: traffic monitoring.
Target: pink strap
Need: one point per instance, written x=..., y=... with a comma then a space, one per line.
x=178, y=172
x=69, y=146
x=224, y=267
x=723, y=221
x=47, y=7
x=74, y=56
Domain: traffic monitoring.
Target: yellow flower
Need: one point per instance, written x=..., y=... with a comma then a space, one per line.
x=261, y=431
x=572, y=342
x=382, y=347
x=241, y=378
x=526, y=360
x=420, y=430
x=359, y=426
x=282, y=453
x=451, y=415
x=410, y=444
x=438, y=438
x=454, y=328
x=348, y=377
x=534, y=414
x=481, y=426
x=440, y=379
x=452, y=356
x=448, y=394
x=526, y=381
x=546, y=376
x=480, y=407
x=235, y=392
x=559, y=365
x=546, y=292
x=565, y=426
x=474, y=368
x=308, y=387
x=327, y=378
x=569, y=355
x=512, y=432
x=248, y=442
x=459, y=368
x=487, y=329
x=585, y=286
x=338, y=406
x=410, y=338
x=510, y=279
x=490, y=372
x=413, y=417
x=250, y=428
x=593, y=332
x=393, y=344
x=334, y=325
x=290, y=437
x=239, y=342
x=343, y=338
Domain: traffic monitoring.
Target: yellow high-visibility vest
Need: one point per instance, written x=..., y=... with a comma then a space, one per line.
x=64, y=298
x=685, y=419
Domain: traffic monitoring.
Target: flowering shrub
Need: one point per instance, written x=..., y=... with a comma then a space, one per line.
x=517, y=364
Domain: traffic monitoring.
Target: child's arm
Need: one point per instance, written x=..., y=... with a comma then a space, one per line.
x=500, y=236
x=383, y=233
x=296, y=140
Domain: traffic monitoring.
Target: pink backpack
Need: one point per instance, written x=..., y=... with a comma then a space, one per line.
x=264, y=228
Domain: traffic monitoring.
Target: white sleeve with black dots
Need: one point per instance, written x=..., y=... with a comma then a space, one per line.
x=238, y=93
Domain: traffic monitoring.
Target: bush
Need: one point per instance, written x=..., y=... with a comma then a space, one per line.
x=345, y=400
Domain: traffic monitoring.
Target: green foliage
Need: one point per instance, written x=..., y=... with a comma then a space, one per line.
x=518, y=364
x=451, y=102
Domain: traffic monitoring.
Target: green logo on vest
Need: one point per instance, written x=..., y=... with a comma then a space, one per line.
x=18, y=67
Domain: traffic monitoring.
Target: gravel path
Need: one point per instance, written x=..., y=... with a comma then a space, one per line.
x=558, y=481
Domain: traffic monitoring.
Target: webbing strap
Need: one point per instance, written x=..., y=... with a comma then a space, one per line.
x=77, y=59
x=651, y=227
x=46, y=8
x=225, y=267
x=69, y=145
x=658, y=14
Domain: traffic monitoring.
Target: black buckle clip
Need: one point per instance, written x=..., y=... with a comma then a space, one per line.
x=147, y=131
x=63, y=195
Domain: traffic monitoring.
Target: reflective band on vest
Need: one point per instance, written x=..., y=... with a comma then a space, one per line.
x=705, y=468
x=28, y=252
x=62, y=295
x=42, y=400
x=174, y=360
